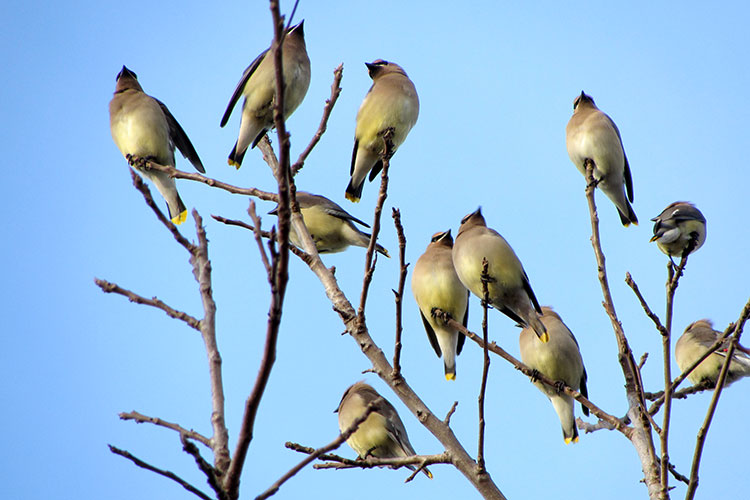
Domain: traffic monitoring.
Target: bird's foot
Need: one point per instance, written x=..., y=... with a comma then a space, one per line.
x=534, y=375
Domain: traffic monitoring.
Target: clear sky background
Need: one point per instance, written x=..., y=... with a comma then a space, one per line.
x=496, y=83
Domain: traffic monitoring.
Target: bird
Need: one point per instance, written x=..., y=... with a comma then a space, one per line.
x=592, y=135
x=391, y=103
x=143, y=127
x=435, y=284
x=559, y=359
x=331, y=227
x=509, y=288
x=258, y=86
x=382, y=434
x=680, y=229
x=694, y=343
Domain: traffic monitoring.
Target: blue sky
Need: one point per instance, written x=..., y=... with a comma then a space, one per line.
x=496, y=85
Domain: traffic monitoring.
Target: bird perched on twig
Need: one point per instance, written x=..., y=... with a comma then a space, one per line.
x=143, y=127
x=694, y=343
x=331, y=227
x=680, y=229
x=258, y=86
x=435, y=285
x=559, y=359
x=592, y=136
x=382, y=434
x=391, y=103
x=509, y=288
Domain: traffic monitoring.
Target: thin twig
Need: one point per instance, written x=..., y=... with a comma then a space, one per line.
x=259, y=239
x=202, y=272
x=421, y=461
x=108, y=287
x=641, y=436
x=171, y=475
x=318, y=452
x=447, y=419
x=266, y=234
x=205, y=467
x=146, y=192
x=486, y=279
x=330, y=102
x=677, y=475
x=371, y=257
x=400, y=292
x=195, y=176
x=140, y=418
x=632, y=284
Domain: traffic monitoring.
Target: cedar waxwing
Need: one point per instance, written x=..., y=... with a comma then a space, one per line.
x=677, y=226
x=592, y=135
x=331, y=227
x=435, y=284
x=391, y=102
x=509, y=288
x=258, y=86
x=382, y=434
x=696, y=340
x=142, y=126
x=560, y=360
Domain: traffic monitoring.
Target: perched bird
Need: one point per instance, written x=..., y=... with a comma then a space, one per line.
x=679, y=228
x=560, y=360
x=391, y=102
x=331, y=227
x=592, y=135
x=143, y=127
x=258, y=86
x=509, y=288
x=382, y=434
x=435, y=284
x=694, y=343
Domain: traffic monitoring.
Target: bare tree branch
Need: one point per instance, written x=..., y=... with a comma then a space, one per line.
x=139, y=418
x=632, y=284
x=266, y=234
x=486, y=279
x=371, y=257
x=280, y=264
x=641, y=432
x=259, y=240
x=171, y=475
x=205, y=467
x=399, y=294
x=108, y=287
x=330, y=102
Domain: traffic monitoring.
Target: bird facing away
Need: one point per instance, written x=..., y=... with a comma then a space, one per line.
x=142, y=126
x=679, y=228
x=391, y=102
x=509, y=288
x=331, y=227
x=435, y=284
x=382, y=434
x=258, y=86
x=694, y=343
x=592, y=135
x=560, y=360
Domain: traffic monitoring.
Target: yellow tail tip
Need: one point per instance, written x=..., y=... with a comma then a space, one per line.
x=179, y=219
x=571, y=440
x=233, y=163
x=544, y=337
x=349, y=197
x=450, y=376
x=429, y=474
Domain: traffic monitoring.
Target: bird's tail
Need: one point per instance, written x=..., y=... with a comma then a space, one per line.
x=628, y=219
x=235, y=157
x=354, y=193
